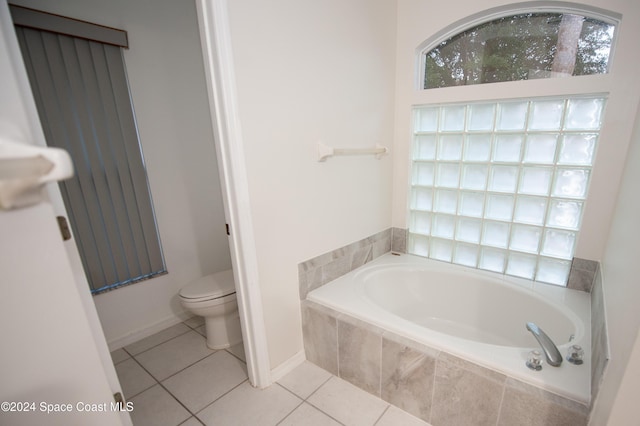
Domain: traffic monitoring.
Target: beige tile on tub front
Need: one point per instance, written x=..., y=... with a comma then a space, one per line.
x=408, y=375
x=320, y=336
x=359, y=354
x=465, y=393
x=528, y=405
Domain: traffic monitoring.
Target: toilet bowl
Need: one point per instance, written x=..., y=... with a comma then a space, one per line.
x=214, y=298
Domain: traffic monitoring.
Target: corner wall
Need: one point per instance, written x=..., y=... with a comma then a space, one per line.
x=620, y=272
x=310, y=71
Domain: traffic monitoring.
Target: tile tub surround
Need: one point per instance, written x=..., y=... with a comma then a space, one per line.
x=582, y=274
x=319, y=270
x=433, y=385
x=399, y=240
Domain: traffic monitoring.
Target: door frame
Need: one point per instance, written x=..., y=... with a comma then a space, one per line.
x=215, y=38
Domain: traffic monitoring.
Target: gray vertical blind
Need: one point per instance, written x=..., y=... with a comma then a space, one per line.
x=83, y=100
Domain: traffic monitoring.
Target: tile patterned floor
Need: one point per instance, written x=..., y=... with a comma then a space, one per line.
x=173, y=379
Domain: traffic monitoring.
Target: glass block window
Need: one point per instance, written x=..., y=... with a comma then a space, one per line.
x=501, y=186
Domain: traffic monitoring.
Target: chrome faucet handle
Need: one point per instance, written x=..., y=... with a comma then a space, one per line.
x=551, y=352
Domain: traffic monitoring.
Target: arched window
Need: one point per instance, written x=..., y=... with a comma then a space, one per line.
x=501, y=185
x=521, y=47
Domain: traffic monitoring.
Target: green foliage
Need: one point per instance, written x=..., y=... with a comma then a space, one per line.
x=517, y=47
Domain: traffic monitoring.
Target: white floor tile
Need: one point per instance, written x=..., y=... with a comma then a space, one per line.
x=215, y=382
x=155, y=339
x=248, y=406
x=308, y=415
x=305, y=379
x=174, y=355
x=207, y=380
x=191, y=422
x=195, y=321
x=238, y=351
x=395, y=416
x=133, y=378
x=348, y=404
x=202, y=330
x=119, y=355
x=155, y=407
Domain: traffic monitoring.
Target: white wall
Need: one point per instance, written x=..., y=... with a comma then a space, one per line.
x=419, y=20
x=621, y=270
x=166, y=76
x=306, y=71
x=625, y=410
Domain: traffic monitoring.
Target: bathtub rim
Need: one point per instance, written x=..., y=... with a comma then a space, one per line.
x=568, y=381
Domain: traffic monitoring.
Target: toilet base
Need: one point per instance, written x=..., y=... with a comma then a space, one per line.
x=223, y=334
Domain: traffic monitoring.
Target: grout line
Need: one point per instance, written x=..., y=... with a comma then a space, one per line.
x=223, y=395
x=306, y=400
x=163, y=342
x=146, y=389
x=193, y=417
x=294, y=409
x=179, y=402
x=159, y=382
x=504, y=391
x=382, y=415
x=321, y=385
x=193, y=328
x=234, y=355
x=323, y=412
x=122, y=360
x=166, y=378
x=337, y=321
x=290, y=391
x=181, y=370
x=433, y=386
x=380, y=369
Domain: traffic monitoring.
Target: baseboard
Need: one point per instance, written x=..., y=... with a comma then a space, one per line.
x=141, y=333
x=286, y=367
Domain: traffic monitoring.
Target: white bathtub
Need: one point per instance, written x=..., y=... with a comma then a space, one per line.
x=472, y=314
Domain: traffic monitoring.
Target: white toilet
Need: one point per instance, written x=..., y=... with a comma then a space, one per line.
x=214, y=298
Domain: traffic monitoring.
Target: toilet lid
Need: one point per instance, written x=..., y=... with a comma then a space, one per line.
x=211, y=286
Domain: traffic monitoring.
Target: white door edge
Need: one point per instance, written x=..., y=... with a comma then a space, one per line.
x=215, y=38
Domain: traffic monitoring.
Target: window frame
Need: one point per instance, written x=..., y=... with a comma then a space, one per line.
x=505, y=11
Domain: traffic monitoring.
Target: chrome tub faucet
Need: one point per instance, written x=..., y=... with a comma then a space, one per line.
x=551, y=352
